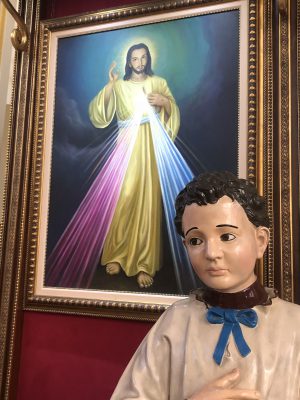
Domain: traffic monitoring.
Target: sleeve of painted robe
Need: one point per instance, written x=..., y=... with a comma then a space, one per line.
x=99, y=115
x=172, y=122
x=147, y=374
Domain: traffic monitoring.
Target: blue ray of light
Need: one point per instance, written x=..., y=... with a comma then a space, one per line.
x=174, y=174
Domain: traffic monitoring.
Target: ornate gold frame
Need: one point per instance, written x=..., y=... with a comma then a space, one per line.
x=136, y=306
x=269, y=165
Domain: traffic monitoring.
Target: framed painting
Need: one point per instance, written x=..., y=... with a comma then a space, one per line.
x=131, y=104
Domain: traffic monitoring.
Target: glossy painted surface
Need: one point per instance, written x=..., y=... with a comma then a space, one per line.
x=223, y=245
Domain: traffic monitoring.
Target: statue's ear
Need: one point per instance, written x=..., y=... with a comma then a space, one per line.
x=262, y=240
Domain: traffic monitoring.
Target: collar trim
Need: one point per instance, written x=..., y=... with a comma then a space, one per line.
x=250, y=297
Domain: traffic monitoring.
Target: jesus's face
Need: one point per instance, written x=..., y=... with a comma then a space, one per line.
x=222, y=244
x=138, y=60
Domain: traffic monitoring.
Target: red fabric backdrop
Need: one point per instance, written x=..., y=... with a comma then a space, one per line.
x=63, y=8
x=73, y=357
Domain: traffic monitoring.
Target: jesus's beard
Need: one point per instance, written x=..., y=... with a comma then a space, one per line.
x=139, y=71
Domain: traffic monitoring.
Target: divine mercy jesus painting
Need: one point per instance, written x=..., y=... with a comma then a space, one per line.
x=138, y=113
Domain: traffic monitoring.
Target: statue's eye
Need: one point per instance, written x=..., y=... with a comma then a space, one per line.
x=227, y=237
x=195, y=241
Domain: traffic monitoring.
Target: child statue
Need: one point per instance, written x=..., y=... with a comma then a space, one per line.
x=232, y=338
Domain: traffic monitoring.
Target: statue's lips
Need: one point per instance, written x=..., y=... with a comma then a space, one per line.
x=216, y=271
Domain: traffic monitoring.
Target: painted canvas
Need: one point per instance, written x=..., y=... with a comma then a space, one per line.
x=123, y=147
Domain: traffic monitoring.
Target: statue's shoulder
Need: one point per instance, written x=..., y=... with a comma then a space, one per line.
x=179, y=315
x=287, y=313
x=287, y=306
x=187, y=305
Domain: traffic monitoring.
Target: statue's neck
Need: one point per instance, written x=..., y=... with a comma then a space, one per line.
x=250, y=297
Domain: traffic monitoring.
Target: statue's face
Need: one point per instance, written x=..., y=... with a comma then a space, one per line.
x=138, y=60
x=222, y=244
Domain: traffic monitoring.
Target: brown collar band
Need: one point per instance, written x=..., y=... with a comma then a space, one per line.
x=250, y=297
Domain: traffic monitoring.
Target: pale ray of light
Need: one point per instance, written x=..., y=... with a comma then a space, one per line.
x=194, y=161
x=73, y=261
x=99, y=155
x=174, y=174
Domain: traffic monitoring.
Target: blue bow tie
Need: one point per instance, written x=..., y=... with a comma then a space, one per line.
x=231, y=320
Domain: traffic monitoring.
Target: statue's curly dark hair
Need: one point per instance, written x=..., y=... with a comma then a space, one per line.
x=209, y=187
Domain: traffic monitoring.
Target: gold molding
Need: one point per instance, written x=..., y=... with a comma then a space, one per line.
x=267, y=110
x=252, y=93
x=2, y=23
x=20, y=35
x=285, y=196
x=283, y=6
x=13, y=223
